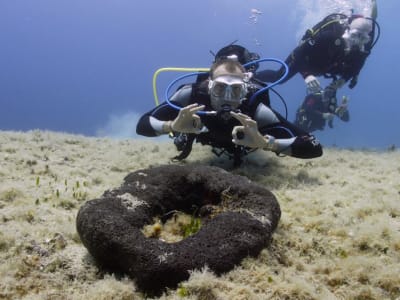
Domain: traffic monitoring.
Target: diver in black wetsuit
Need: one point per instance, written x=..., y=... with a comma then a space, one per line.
x=220, y=111
x=319, y=109
x=337, y=48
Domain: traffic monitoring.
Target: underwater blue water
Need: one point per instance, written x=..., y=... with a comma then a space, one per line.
x=86, y=66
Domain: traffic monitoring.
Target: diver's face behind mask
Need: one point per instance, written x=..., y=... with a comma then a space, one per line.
x=357, y=36
x=227, y=92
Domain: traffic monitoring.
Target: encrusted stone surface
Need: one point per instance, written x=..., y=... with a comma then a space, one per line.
x=110, y=227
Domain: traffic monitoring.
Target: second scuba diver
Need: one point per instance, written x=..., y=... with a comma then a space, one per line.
x=337, y=47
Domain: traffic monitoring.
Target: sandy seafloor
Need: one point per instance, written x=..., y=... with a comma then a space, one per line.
x=338, y=238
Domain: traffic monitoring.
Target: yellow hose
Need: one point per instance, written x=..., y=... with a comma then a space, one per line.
x=174, y=70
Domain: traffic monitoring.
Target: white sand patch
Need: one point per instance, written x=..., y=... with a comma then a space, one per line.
x=338, y=238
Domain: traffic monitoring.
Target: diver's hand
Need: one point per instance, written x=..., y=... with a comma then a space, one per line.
x=342, y=108
x=187, y=121
x=248, y=135
x=313, y=85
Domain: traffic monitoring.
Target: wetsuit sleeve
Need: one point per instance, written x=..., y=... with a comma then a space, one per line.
x=290, y=139
x=274, y=75
x=151, y=123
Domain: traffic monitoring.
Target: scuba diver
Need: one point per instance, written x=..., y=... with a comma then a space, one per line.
x=337, y=48
x=221, y=111
x=319, y=108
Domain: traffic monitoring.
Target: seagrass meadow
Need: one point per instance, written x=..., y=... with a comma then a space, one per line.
x=338, y=237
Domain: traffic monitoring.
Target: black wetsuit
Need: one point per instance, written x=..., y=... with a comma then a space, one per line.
x=291, y=139
x=309, y=115
x=323, y=54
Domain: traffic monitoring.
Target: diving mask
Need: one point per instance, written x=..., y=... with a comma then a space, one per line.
x=359, y=37
x=355, y=38
x=358, y=33
x=227, y=91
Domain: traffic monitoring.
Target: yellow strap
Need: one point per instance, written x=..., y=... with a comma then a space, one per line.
x=174, y=70
x=323, y=26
